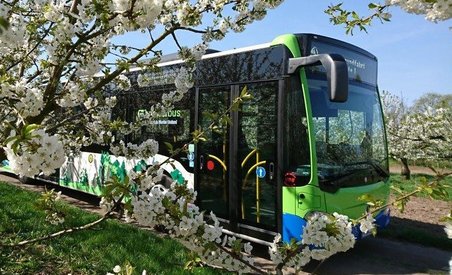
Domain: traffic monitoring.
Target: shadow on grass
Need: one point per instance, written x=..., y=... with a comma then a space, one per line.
x=417, y=232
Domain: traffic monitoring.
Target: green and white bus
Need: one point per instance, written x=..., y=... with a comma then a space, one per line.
x=311, y=139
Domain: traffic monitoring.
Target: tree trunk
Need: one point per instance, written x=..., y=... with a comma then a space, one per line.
x=405, y=171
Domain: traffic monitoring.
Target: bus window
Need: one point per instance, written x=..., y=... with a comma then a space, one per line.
x=213, y=153
x=173, y=127
x=296, y=143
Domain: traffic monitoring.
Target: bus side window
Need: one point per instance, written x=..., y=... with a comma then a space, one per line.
x=296, y=142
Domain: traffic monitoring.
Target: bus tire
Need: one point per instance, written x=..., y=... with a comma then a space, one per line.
x=25, y=179
x=166, y=180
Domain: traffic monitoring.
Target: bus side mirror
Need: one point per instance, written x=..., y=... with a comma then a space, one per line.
x=336, y=72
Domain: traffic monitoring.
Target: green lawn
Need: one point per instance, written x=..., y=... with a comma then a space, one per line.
x=94, y=251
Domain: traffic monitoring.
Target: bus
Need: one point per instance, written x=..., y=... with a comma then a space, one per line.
x=311, y=139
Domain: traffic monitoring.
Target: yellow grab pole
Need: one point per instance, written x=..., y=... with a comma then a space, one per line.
x=246, y=179
x=219, y=161
x=258, y=210
x=248, y=156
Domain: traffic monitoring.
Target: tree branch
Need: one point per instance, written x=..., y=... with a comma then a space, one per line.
x=67, y=231
x=175, y=40
x=257, y=270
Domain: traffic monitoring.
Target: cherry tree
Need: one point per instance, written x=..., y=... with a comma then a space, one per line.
x=395, y=111
x=420, y=132
x=53, y=59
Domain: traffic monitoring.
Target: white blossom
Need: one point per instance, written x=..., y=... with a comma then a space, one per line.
x=438, y=10
x=117, y=269
x=448, y=230
x=123, y=82
x=27, y=161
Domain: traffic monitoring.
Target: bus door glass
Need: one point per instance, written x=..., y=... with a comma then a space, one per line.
x=212, y=175
x=256, y=156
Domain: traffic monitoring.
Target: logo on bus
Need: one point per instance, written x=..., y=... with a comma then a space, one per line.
x=314, y=51
x=260, y=172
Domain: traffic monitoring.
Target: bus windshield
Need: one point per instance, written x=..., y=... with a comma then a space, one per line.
x=349, y=137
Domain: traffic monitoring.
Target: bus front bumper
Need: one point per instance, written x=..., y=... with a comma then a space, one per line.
x=293, y=226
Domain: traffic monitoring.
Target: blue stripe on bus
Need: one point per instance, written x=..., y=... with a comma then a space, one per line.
x=292, y=227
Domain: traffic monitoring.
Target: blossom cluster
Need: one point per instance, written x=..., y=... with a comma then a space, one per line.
x=188, y=13
x=425, y=134
x=28, y=100
x=174, y=210
x=438, y=10
x=48, y=202
x=328, y=235
x=323, y=236
x=42, y=153
x=144, y=150
x=367, y=224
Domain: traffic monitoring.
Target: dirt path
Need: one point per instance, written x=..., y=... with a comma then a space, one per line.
x=416, y=170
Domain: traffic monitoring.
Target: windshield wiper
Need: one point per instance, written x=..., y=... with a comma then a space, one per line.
x=333, y=183
x=377, y=167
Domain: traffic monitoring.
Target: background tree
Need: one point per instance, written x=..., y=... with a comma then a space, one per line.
x=395, y=112
x=431, y=101
x=420, y=132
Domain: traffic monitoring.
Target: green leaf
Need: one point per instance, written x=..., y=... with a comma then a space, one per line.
x=400, y=204
x=396, y=189
x=244, y=91
x=4, y=24
x=374, y=231
x=8, y=140
x=15, y=146
x=386, y=16
x=366, y=198
x=169, y=146
x=372, y=6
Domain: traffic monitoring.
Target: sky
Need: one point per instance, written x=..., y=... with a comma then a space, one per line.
x=414, y=55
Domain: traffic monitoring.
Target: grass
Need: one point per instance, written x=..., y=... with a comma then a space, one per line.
x=94, y=251
x=409, y=185
x=412, y=231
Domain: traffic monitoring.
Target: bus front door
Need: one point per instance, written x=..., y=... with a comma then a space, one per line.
x=256, y=137
x=236, y=175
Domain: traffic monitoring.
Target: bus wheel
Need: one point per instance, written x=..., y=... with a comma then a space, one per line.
x=166, y=180
x=25, y=180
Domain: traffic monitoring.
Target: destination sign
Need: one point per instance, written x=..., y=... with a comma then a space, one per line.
x=361, y=68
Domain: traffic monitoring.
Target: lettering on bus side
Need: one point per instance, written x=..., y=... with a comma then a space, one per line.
x=143, y=113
